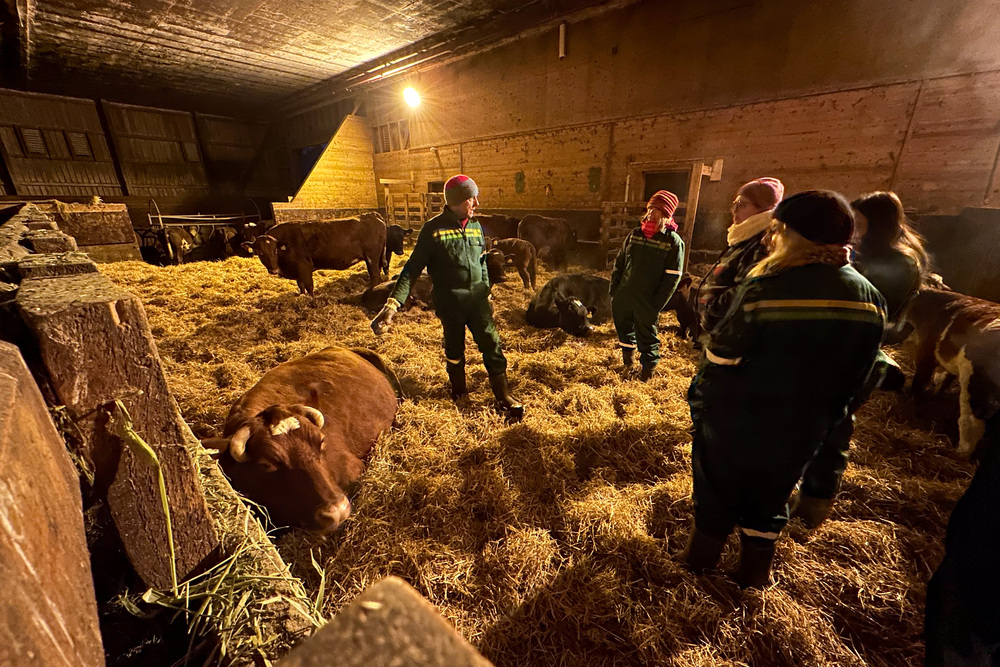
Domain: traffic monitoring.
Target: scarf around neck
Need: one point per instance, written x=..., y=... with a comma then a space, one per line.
x=749, y=228
x=649, y=227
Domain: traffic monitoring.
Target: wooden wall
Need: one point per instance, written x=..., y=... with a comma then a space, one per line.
x=229, y=146
x=158, y=151
x=344, y=176
x=890, y=98
x=55, y=144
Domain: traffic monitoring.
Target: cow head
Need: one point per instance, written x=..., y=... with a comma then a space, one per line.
x=494, y=266
x=266, y=247
x=394, y=238
x=574, y=318
x=277, y=459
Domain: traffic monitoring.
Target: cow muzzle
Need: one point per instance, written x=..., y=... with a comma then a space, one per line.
x=329, y=517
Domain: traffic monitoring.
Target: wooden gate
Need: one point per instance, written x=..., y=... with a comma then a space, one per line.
x=410, y=210
x=619, y=218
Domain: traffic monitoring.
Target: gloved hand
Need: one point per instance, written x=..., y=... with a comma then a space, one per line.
x=383, y=320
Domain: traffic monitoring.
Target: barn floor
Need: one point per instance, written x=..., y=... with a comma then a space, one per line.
x=553, y=542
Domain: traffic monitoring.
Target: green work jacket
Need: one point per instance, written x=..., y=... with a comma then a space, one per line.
x=647, y=271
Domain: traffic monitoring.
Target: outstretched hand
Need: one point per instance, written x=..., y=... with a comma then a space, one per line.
x=383, y=321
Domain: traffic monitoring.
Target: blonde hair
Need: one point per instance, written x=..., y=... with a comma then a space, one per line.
x=788, y=247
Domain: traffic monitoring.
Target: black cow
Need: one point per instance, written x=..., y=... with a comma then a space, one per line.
x=962, y=621
x=395, y=236
x=682, y=302
x=295, y=249
x=499, y=226
x=573, y=302
x=553, y=236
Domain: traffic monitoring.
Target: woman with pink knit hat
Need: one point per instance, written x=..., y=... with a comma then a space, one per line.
x=646, y=273
x=751, y=212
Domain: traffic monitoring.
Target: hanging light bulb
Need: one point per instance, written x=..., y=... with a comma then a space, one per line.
x=412, y=97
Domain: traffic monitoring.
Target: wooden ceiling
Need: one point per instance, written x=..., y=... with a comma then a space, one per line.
x=244, y=55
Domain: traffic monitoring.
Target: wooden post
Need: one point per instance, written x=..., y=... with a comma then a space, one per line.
x=691, y=209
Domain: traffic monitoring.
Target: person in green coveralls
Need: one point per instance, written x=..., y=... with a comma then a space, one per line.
x=781, y=368
x=452, y=247
x=646, y=272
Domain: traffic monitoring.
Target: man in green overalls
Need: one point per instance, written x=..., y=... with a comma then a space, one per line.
x=452, y=247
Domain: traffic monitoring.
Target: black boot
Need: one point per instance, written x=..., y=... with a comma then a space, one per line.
x=756, y=555
x=646, y=374
x=702, y=551
x=456, y=375
x=507, y=405
x=628, y=356
x=813, y=511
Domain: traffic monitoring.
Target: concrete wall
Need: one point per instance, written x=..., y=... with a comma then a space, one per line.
x=850, y=94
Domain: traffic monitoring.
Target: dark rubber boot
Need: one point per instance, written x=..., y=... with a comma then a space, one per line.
x=507, y=405
x=813, y=511
x=702, y=551
x=756, y=555
x=456, y=375
x=646, y=374
x=628, y=356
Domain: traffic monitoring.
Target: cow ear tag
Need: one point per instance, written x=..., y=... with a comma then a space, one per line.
x=282, y=247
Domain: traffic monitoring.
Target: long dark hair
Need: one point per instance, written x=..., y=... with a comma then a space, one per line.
x=888, y=228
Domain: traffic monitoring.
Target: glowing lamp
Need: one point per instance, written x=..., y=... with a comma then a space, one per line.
x=412, y=97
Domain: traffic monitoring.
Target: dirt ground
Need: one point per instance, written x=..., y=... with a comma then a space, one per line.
x=554, y=541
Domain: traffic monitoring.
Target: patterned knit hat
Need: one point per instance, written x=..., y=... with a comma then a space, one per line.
x=459, y=188
x=764, y=193
x=822, y=216
x=664, y=200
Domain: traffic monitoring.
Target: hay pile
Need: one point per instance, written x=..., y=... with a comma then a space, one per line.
x=553, y=542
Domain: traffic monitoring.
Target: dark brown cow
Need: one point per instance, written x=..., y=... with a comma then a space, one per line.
x=498, y=226
x=553, y=236
x=295, y=441
x=295, y=249
x=682, y=302
x=521, y=254
x=962, y=334
x=420, y=294
x=395, y=237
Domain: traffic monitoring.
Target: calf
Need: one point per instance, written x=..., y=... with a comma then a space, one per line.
x=499, y=226
x=682, y=302
x=420, y=294
x=295, y=249
x=295, y=441
x=395, y=236
x=180, y=242
x=573, y=302
x=962, y=334
x=553, y=236
x=522, y=255
x=494, y=266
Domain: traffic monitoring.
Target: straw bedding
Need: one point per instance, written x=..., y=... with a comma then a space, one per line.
x=554, y=541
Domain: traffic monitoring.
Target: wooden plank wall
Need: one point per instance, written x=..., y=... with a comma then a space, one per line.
x=344, y=175
x=229, y=146
x=54, y=144
x=158, y=151
x=935, y=141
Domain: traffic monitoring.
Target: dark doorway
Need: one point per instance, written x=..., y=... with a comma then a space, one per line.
x=435, y=186
x=305, y=160
x=674, y=181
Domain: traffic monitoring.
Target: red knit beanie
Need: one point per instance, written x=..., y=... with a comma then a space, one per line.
x=664, y=200
x=764, y=193
x=459, y=188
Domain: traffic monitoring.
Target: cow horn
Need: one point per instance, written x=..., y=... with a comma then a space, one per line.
x=313, y=415
x=238, y=445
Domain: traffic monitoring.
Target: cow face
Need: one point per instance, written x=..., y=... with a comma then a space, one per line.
x=574, y=318
x=266, y=248
x=394, y=238
x=494, y=266
x=279, y=461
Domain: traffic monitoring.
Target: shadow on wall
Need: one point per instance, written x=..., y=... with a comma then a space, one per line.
x=966, y=250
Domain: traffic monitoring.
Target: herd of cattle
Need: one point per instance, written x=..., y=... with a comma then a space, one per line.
x=296, y=429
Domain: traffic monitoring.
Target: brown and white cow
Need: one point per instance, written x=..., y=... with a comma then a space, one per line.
x=294, y=443
x=552, y=236
x=962, y=334
x=295, y=249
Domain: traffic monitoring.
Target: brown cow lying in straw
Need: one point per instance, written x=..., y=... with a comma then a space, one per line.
x=295, y=441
